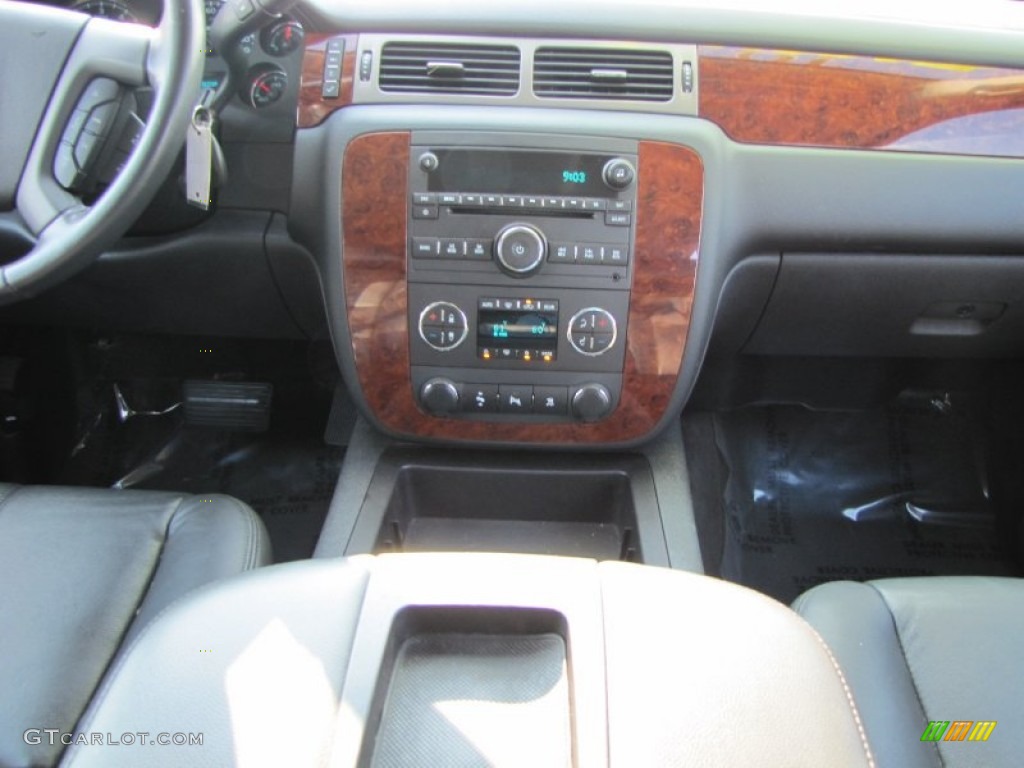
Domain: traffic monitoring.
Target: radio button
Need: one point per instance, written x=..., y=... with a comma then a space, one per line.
x=615, y=219
x=574, y=203
x=534, y=202
x=453, y=249
x=450, y=198
x=480, y=398
x=425, y=247
x=479, y=249
x=564, y=253
x=620, y=205
x=616, y=255
x=513, y=398
x=505, y=353
x=473, y=200
x=424, y=198
x=552, y=401
x=553, y=202
x=588, y=254
x=492, y=201
x=424, y=211
x=548, y=306
x=512, y=201
x=595, y=204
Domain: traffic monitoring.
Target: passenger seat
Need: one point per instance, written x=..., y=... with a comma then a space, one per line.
x=82, y=571
x=932, y=663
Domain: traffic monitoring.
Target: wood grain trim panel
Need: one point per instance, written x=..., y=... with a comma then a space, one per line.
x=807, y=99
x=669, y=204
x=314, y=108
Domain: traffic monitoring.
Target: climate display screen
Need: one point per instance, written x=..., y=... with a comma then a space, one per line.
x=502, y=326
x=509, y=172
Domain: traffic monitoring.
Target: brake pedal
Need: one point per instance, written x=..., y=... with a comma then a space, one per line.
x=243, y=407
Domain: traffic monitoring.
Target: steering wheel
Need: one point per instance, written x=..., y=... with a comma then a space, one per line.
x=51, y=55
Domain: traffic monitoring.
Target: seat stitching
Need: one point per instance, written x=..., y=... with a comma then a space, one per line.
x=115, y=660
x=249, y=554
x=110, y=675
x=906, y=662
x=849, y=697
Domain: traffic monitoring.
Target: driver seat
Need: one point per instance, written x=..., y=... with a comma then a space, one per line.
x=82, y=572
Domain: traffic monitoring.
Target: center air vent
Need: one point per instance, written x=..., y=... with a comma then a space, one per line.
x=483, y=70
x=602, y=73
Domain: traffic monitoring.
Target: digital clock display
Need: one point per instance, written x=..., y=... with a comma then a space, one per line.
x=574, y=177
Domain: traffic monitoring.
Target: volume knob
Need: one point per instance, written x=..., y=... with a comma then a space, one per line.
x=520, y=249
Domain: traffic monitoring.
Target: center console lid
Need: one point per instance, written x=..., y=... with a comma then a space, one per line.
x=483, y=659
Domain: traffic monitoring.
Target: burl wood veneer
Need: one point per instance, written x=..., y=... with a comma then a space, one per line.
x=668, y=215
x=793, y=98
x=313, y=107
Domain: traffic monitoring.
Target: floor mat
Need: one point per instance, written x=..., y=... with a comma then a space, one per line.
x=287, y=479
x=814, y=497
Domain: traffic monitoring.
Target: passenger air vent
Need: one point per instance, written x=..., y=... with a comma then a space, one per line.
x=602, y=73
x=480, y=70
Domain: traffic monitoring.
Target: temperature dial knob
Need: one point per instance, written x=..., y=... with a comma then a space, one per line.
x=592, y=331
x=591, y=402
x=520, y=249
x=440, y=396
x=443, y=326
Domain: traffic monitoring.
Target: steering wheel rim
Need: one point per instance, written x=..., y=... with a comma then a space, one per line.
x=169, y=58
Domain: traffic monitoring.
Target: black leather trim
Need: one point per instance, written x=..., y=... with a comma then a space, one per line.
x=83, y=572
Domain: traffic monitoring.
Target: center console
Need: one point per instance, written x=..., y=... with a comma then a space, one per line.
x=518, y=288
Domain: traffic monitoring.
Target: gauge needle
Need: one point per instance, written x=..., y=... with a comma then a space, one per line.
x=264, y=87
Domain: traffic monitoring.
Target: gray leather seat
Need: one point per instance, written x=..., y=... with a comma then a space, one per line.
x=81, y=572
x=918, y=650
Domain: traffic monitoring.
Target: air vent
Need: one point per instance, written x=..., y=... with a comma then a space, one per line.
x=481, y=70
x=602, y=73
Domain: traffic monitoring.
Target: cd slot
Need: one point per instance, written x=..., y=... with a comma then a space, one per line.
x=500, y=211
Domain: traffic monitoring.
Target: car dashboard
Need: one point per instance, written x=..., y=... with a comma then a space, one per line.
x=512, y=322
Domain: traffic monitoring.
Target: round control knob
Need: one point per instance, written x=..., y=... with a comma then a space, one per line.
x=443, y=326
x=591, y=402
x=520, y=249
x=440, y=396
x=618, y=173
x=592, y=331
x=429, y=162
